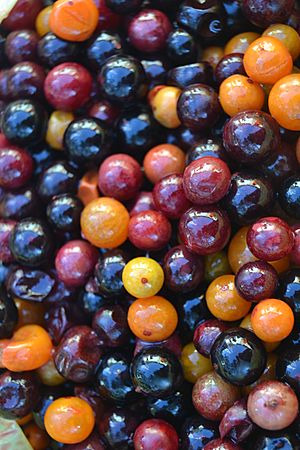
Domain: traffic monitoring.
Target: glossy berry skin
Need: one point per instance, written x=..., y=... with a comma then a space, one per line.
x=272, y=405
x=283, y=102
x=256, y=281
x=8, y=315
x=86, y=141
x=21, y=46
x=19, y=204
x=104, y=222
x=205, y=147
x=289, y=196
x=129, y=77
x=198, y=107
x=19, y=394
x=6, y=227
x=172, y=343
x=148, y=30
x=197, y=431
x=113, y=378
x=29, y=284
x=204, y=230
x=69, y=420
x=155, y=433
x=109, y=271
x=68, y=86
x=78, y=353
x=270, y=440
x=152, y=319
x=206, y=180
x=183, y=270
x=26, y=80
x=120, y=177
x=264, y=14
x=288, y=368
x=169, y=196
x=24, y=122
x=63, y=212
x=230, y=64
x=137, y=130
x=238, y=356
x=270, y=238
x=149, y=230
x=23, y=15
x=117, y=426
x=156, y=372
x=143, y=277
x=110, y=324
x=75, y=262
x=173, y=409
x=289, y=289
x=16, y=167
x=206, y=333
x=205, y=20
x=221, y=444
x=163, y=160
x=143, y=202
x=295, y=255
x=101, y=48
x=53, y=51
x=57, y=178
x=183, y=76
x=249, y=197
x=236, y=424
x=181, y=47
x=212, y=396
x=272, y=327
x=31, y=242
x=194, y=364
x=104, y=111
x=251, y=136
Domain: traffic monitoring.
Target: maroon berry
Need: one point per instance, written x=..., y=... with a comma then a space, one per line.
x=110, y=324
x=75, y=262
x=169, y=196
x=16, y=167
x=68, y=86
x=149, y=230
x=21, y=46
x=256, y=281
x=221, y=444
x=212, y=397
x=206, y=333
x=204, y=230
x=143, y=202
x=120, y=177
x=148, y=30
x=23, y=15
x=173, y=344
x=236, y=424
x=155, y=434
x=270, y=238
x=6, y=227
x=206, y=180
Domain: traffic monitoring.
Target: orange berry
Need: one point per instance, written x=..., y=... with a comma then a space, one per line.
x=267, y=60
x=57, y=125
x=74, y=20
x=152, y=319
x=29, y=348
x=287, y=35
x=239, y=253
x=164, y=106
x=284, y=102
x=246, y=323
x=163, y=160
x=69, y=420
x=272, y=320
x=240, y=42
x=223, y=299
x=212, y=55
x=142, y=277
x=38, y=438
x=42, y=24
x=88, y=187
x=104, y=222
x=239, y=93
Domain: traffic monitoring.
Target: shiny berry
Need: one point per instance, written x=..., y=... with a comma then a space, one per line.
x=169, y=196
x=256, y=281
x=149, y=230
x=155, y=433
x=16, y=167
x=206, y=333
x=110, y=324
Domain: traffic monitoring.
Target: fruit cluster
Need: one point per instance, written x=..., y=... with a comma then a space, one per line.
x=150, y=224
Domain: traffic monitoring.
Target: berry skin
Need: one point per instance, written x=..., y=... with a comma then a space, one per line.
x=142, y=277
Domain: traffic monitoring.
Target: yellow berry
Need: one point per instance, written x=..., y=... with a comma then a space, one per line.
x=143, y=277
